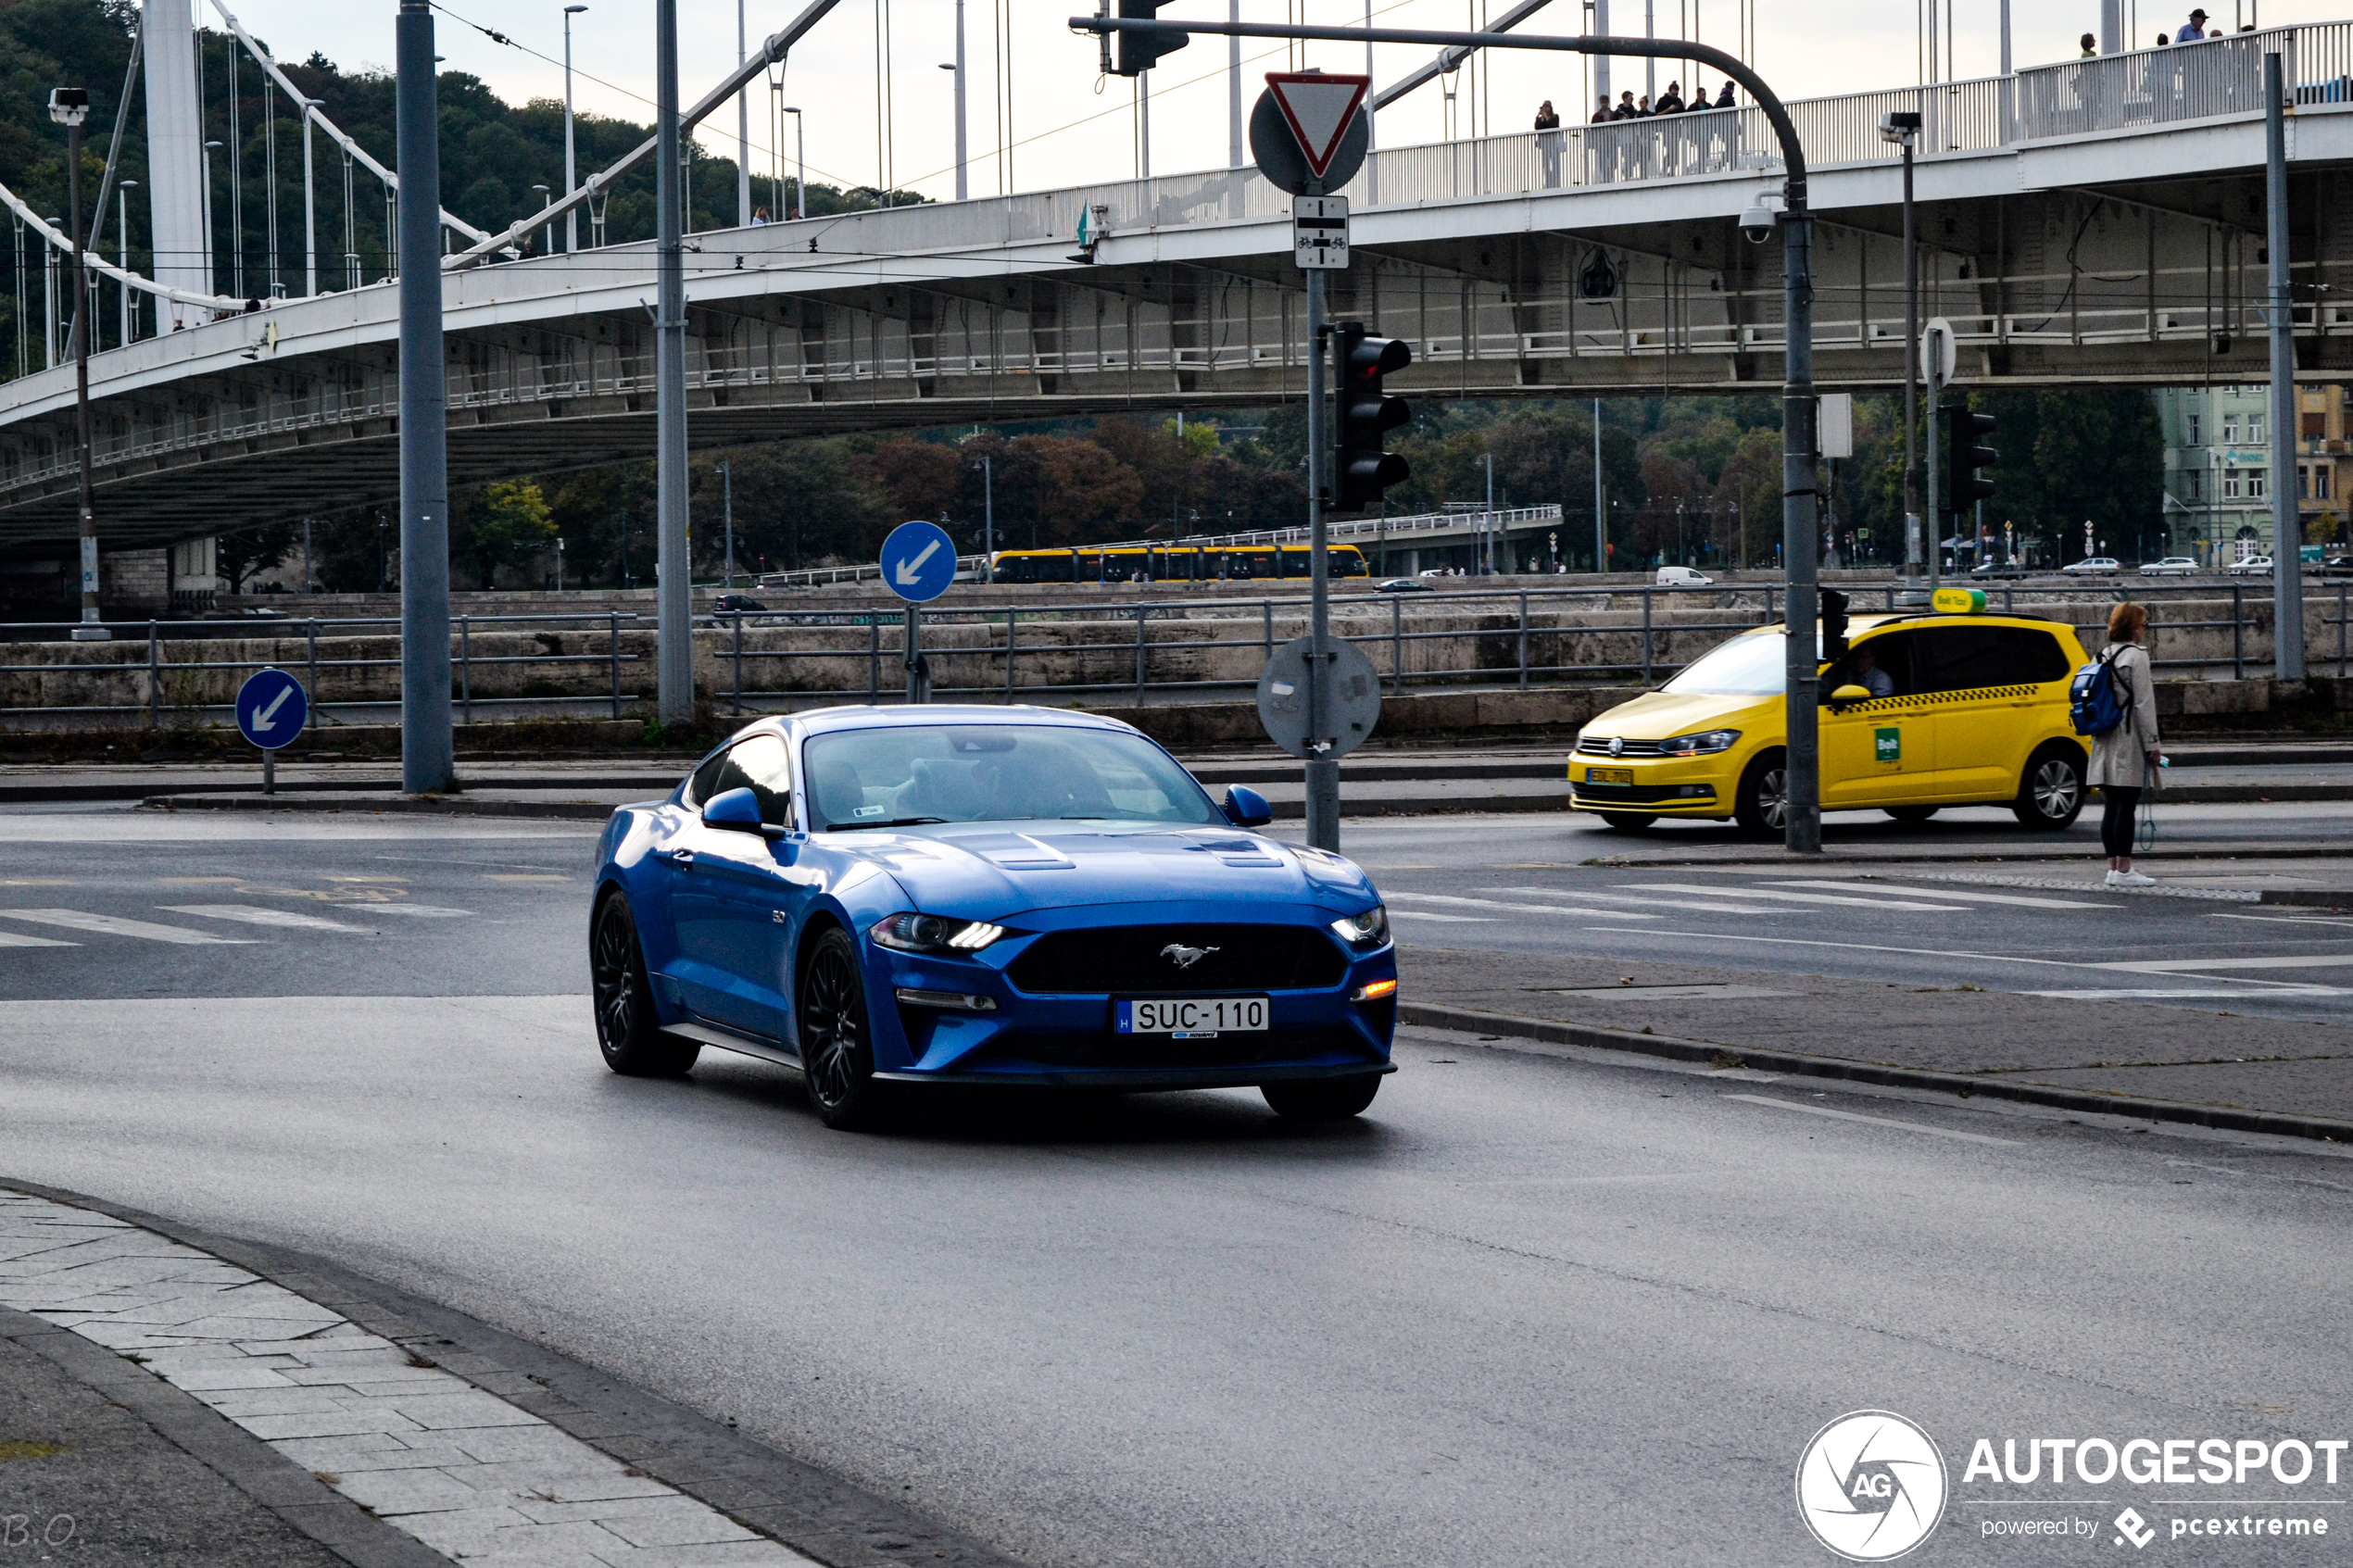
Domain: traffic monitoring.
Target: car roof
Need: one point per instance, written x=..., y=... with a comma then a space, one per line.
x=825, y=721
x=1874, y=622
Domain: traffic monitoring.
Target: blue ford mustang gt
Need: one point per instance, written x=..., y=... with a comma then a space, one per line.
x=888, y=897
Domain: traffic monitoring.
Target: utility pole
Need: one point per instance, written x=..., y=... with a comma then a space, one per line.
x=727, y=511
x=428, y=763
x=2287, y=532
x=1234, y=89
x=70, y=107
x=674, y=648
x=743, y=126
x=572, y=174
x=963, y=189
x=1600, y=524
x=1323, y=772
x=1906, y=128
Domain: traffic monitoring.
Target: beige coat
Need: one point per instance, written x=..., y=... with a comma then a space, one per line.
x=2119, y=757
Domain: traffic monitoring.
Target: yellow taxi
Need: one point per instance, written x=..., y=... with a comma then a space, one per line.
x=1925, y=709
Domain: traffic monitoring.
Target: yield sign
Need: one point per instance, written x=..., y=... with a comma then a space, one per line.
x=1318, y=110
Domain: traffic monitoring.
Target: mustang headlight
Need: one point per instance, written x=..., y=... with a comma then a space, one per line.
x=935, y=933
x=1368, y=930
x=1700, y=745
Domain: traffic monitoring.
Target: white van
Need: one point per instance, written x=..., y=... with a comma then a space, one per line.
x=1683, y=577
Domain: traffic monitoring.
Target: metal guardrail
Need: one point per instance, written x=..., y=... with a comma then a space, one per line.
x=1518, y=640
x=149, y=679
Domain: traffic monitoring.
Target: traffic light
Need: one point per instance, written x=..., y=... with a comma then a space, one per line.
x=1964, y=456
x=1834, y=623
x=1137, y=50
x=1366, y=416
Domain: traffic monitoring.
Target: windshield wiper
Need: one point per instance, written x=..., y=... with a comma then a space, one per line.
x=894, y=822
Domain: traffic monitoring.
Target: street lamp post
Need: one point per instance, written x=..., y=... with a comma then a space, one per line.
x=428, y=756
x=675, y=652
x=1801, y=499
x=963, y=189
x=801, y=162
x=743, y=132
x=546, y=231
x=727, y=513
x=571, y=177
x=70, y=107
x=988, y=507
x=1906, y=128
x=122, y=244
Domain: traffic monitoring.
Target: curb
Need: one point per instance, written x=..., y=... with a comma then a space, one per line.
x=1557, y=1033
x=427, y=805
x=305, y=1504
x=1920, y=854
x=787, y=1500
x=2309, y=898
x=132, y=790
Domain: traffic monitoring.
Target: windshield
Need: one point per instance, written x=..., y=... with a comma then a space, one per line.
x=1748, y=666
x=918, y=774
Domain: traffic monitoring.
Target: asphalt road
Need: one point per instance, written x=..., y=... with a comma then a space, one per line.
x=1527, y=1311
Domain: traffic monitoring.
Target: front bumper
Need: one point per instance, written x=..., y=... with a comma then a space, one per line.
x=1691, y=787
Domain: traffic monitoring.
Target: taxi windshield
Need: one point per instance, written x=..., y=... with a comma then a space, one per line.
x=1747, y=666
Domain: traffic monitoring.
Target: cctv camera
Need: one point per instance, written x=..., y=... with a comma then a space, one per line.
x=1756, y=224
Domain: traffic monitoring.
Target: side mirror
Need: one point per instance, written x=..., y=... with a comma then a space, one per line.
x=1849, y=693
x=1247, y=807
x=737, y=810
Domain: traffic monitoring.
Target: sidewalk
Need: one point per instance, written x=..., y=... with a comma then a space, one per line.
x=2170, y=1063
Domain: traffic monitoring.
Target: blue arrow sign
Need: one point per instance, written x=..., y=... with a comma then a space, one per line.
x=271, y=708
x=918, y=561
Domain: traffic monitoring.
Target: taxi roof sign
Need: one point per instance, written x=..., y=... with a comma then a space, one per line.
x=1958, y=601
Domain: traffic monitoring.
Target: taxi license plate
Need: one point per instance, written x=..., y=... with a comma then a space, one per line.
x=1195, y=1017
x=1609, y=775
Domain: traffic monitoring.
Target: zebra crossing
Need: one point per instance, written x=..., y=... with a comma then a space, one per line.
x=206, y=926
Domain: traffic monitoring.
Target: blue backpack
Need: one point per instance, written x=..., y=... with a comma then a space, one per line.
x=2093, y=700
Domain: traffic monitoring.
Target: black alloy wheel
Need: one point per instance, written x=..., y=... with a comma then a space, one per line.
x=1321, y=1099
x=2050, y=794
x=836, y=1044
x=628, y=1032
x=1762, y=806
x=1912, y=813
x=1629, y=822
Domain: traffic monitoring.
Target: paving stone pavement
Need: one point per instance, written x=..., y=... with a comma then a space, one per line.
x=462, y=1471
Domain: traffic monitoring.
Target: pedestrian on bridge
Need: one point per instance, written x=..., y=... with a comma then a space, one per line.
x=1548, y=142
x=2124, y=760
x=1602, y=115
x=2193, y=31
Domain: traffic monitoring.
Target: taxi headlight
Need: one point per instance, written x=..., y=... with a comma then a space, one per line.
x=1700, y=745
x=1368, y=930
x=936, y=935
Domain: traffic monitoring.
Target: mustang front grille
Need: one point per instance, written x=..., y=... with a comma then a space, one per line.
x=1148, y=961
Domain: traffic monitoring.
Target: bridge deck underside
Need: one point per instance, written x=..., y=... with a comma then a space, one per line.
x=2150, y=283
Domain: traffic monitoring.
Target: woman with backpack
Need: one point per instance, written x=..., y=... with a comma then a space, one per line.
x=2124, y=758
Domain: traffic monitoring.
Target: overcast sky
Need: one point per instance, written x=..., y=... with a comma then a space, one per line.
x=1068, y=127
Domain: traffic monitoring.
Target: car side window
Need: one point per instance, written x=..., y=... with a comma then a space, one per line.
x=1968, y=659
x=1894, y=653
x=763, y=765
x=700, y=786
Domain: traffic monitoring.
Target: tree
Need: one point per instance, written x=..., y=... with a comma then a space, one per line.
x=508, y=523
x=240, y=553
x=921, y=479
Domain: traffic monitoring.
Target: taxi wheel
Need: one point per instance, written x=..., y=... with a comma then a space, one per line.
x=1762, y=806
x=627, y=1030
x=1629, y=822
x=1912, y=813
x=836, y=1044
x=2051, y=793
x=1321, y=1099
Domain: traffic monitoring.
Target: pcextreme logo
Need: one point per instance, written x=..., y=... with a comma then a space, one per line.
x=1870, y=1485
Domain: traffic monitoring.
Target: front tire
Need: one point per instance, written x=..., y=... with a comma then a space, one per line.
x=628, y=1031
x=1762, y=806
x=836, y=1039
x=1912, y=813
x=1629, y=821
x=1321, y=1099
x=2050, y=793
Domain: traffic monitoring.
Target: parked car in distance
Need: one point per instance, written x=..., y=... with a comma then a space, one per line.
x=2253, y=566
x=2093, y=565
x=728, y=604
x=1683, y=577
x=2337, y=566
x=2171, y=566
x=1996, y=569
x=1403, y=586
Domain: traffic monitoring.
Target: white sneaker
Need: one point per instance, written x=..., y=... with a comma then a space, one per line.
x=2130, y=879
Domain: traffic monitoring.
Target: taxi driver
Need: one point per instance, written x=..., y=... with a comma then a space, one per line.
x=1866, y=673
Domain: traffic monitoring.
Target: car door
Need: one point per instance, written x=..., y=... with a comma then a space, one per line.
x=1880, y=752
x=736, y=898
x=1984, y=680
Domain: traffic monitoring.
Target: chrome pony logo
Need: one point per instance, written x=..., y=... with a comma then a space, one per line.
x=1184, y=957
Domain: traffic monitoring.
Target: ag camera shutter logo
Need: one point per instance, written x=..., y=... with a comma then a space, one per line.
x=1870, y=1485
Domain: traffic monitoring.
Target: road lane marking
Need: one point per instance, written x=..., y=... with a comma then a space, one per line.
x=525, y=876
x=115, y=925
x=1875, y=1121
x=1510, y=909
x=26, y=939
x=1948, y=893
x=2152, y=994
x=1704, y=906
x=1456, y=919
x=2193, y=966
x=254, y=914
x=1864, y=947
x=36, y=882
x=1800, y=898
x=430, y=911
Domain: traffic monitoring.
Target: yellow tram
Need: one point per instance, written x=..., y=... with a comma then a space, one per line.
x=1169, y=563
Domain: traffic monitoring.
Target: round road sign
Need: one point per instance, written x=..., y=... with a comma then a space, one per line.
x=918, y=561
x=1282, y=698
x=271, y=708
